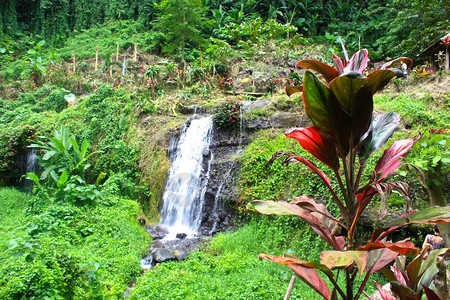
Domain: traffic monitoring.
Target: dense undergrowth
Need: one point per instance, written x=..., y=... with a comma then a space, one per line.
x=62, y=251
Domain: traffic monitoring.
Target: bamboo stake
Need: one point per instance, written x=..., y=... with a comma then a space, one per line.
x=73, y=55
x=117, y=53
x=201, y=57
x=290, y=287
x=96, y=58
x=135, y=52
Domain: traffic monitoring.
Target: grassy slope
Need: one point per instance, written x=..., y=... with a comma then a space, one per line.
x=65, y=251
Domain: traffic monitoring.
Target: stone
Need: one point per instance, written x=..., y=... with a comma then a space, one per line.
x=182, y=256
x=181, y=235
x=162, y=229
x=147, y=120
x=163, y=255
x=305, y=121
x=258, y=123
x=251, y=105
x=157, y=244
x=284, y=119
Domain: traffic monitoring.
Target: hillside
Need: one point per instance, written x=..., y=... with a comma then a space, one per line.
x=102, y=135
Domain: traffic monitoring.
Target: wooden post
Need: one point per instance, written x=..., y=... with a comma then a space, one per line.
x=74, y=67
x=96, y=58
x=201, y=58
x=447, y=57
x=117, y=53
x=135, y=52
x=290, y=287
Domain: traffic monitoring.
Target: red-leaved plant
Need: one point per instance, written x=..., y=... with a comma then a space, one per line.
x=343, y=137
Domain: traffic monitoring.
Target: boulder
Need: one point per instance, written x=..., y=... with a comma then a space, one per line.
x=157, y=244
x=258, y=123
x=162, y=229
x=182, y=256
x=284, y=119
x=251, y=105
x=162, y=255
x=181, y=235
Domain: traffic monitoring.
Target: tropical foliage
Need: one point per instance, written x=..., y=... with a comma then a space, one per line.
x=344, y=131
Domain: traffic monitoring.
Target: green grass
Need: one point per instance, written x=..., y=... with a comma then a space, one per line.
x=416, y=113
x=228, y=267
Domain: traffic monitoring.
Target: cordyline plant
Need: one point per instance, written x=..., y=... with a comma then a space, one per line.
x=343, y=137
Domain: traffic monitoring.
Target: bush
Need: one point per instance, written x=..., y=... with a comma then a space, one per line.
x=60, y=251
x=227, y=113
x=54, y=102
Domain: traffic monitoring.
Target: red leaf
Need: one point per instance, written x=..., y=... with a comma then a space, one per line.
x=304, y=270
x=328, y=72
x=289, y=259
x=385, y=295
x=311, y=278
x=358, y=63
x=402, y=247
x=431, y=295
x=390, y=160
x=315, y=142
x=338, y=63
x=399, y=275
x=318, y=223
x=379, y=258
x=340, y=259
x=408, y=61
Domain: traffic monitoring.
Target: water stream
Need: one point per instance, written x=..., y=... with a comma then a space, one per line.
x=186, y=185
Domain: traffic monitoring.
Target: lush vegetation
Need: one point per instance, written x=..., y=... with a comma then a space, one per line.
x=101, y=131
x=59, y=250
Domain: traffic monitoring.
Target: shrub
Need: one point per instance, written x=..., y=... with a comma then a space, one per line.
x=227, y=113
x=55, y=101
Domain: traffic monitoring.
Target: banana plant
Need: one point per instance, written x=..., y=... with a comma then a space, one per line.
x=343, y=136
x=62, y=156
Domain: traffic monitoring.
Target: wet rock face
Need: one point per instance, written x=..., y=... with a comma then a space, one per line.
x=217, y=213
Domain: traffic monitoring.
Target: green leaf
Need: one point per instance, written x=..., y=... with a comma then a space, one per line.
x=293, y=89
x=33, y=177
x=379, y=79
x=47, y=171
x=54, y=176
x=325, y=112
x=76, y=149
x=429, y=215
x=49, y=154
x=84, y=147
x=436, y=159
x=56, y=142
x=356, y=98
x=99, y=178
x=62, y=180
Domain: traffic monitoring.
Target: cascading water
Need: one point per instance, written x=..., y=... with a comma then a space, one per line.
x=186, y=186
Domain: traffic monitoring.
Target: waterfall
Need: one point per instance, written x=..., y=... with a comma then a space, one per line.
x=186, y=186
x=217, y=203
x=26, y=163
